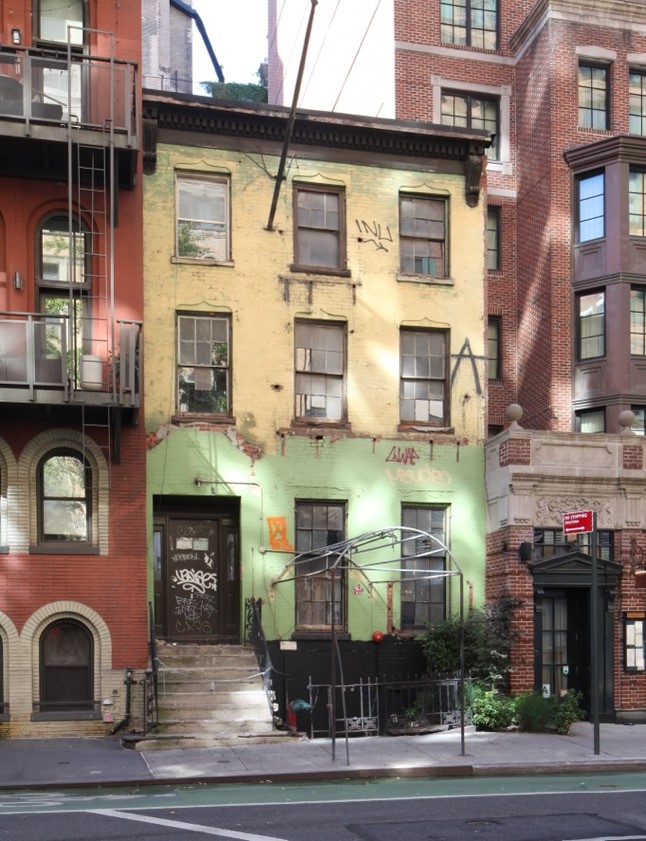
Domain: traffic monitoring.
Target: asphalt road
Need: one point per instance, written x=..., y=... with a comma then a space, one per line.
x=561, y=808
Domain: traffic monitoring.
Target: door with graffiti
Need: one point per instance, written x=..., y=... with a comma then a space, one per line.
x=198, y=594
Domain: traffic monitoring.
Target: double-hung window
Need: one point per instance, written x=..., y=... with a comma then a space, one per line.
x=638, y=321
x=203, y=364
x=319, y=229
x=637, y=102
x=493, y=239
x=319, y=371
x=424, y=377
x=591, y=420
x=423, y=585
x=591, y=207
x=472, y=111
x=470, y=23
x=637, y=202
x=591, y=325
x=423, y=236
x=494, y=353
x=202, y=219
x=593, y=96
x=320, y=593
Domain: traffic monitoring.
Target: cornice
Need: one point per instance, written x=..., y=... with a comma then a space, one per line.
x=266, y=123
x=608, y=14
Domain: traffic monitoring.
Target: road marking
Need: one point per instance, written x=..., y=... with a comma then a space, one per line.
x=189, y=827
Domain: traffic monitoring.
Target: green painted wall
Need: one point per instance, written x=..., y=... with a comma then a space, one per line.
x=361, y=473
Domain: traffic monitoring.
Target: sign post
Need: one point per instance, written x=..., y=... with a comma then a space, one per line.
x=582, y=522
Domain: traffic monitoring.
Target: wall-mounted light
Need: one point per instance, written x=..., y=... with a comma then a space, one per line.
x=525, y=552
x=17, y=280
x=199, y=481
x=16, y=36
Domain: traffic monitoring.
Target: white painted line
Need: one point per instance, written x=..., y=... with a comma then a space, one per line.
x=613, y=838
x=189, y=827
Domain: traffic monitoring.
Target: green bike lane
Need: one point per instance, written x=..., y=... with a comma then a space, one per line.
x=196, y=795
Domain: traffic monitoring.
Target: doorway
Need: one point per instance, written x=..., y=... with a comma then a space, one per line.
x=197, y=576
x=565, y=643
x=562, y=593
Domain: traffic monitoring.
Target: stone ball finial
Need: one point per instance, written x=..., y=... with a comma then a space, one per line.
x=514, y=414
x=626, y=420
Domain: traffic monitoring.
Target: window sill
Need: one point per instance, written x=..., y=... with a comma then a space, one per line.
x=425, y=278
x=68, y=715
x=63, y=549
x=319, y=635
x=425, y=428
x=319, y=270
x=305, y=426
x=202, y=261
x=204, y=417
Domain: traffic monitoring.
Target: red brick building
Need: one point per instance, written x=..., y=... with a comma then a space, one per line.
x=72, y=459
x=563, y=87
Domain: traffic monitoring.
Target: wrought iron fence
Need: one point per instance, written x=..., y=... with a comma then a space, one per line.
x=396, y=706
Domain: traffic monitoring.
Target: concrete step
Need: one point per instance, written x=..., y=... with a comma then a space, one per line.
x=210, y=694
x=190, y=695
x=213, y=728
x=224, y=714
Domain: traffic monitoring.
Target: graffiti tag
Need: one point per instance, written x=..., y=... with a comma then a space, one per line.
x=376, y=235
x=195, y=580
x=403, y=455
x=277, y=527
x=422, y=475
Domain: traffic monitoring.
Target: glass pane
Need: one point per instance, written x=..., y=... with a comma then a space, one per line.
x=55, y=17
x=64, y=476
x=64, y=520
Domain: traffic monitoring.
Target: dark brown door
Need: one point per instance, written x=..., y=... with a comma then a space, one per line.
x=201, y=581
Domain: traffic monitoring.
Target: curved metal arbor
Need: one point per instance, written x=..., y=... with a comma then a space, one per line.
x=369, y=553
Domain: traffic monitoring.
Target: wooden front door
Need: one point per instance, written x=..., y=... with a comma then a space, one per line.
x=198, y=599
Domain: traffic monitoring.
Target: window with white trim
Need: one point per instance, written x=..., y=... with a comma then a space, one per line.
x=319, y=362
x=203, y=364
x=202, y=231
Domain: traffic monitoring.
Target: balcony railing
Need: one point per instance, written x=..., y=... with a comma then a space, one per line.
x=62, y=87
x=42, y=359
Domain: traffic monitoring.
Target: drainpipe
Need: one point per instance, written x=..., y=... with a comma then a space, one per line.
x=128, y=683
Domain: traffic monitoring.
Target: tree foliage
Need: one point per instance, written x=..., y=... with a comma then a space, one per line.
x=239, y=91
x=488, y=640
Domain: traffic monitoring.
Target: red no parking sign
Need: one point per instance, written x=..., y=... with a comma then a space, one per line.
x=577, y=522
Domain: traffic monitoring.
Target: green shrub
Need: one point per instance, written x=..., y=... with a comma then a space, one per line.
x=488, y=640
x=490, y=710
x=538, y=714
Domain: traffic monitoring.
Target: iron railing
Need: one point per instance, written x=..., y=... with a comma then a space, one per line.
x=255, y=636
x=149, y=682
x=67, y=87
x=41, y=351
x=388, y=706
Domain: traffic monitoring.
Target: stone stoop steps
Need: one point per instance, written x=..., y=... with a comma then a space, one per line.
x=210, y=696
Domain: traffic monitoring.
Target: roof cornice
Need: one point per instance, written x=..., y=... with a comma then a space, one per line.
x=607, y=14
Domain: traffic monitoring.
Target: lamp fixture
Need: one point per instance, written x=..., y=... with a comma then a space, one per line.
x=16, y=36
x=17, y=280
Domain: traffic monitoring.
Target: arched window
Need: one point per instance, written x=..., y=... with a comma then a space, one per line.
x=2, y=701
x=66, y=667
x=64, y=498
x=54, y=19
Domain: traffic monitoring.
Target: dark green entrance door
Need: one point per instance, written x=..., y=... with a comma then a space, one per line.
x=565, y=643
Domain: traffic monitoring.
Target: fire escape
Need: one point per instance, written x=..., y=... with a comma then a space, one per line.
x=70, y=115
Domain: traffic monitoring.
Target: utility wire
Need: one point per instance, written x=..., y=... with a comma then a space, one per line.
x=356, y=55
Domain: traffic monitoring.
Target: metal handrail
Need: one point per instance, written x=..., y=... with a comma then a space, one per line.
x=255, y=635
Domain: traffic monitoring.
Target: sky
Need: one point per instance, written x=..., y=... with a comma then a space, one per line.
x=237, y=30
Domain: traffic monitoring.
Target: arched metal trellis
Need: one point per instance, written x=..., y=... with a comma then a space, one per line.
x=375, y=555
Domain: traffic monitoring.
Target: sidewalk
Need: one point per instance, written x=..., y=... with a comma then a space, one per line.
x=30, y=763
